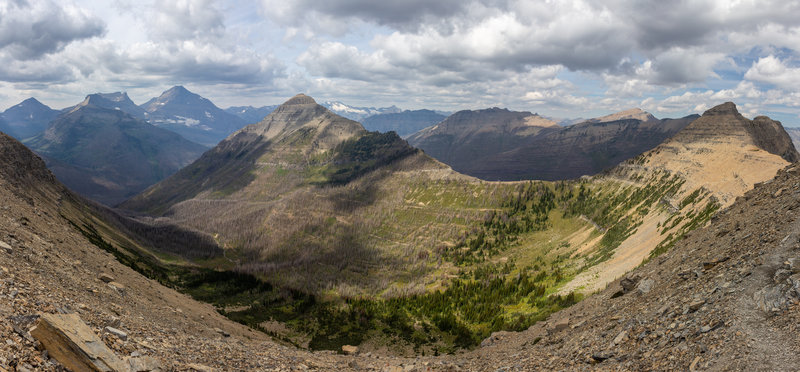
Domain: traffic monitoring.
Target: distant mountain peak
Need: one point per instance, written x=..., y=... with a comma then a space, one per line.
x=634, y=113
x=178, y=89
x=323, y=128
x=116, y=97
x=723, y=124
x=357, y=113
x=178, y=95
x=31, y=100
x=30, y=104
x=300, y=99
x=727, y=108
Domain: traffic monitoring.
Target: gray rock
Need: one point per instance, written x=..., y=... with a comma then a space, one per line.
x=350, y=349
x=116, y=332
x=144, y=364
x=223, y=333
x=4, y=246
x=622, y=336
x=601, y=356
x=645, y=286
x=561, y=324
x=71, y=342
x=629, y=283
x=696, y=305
x=106, y=278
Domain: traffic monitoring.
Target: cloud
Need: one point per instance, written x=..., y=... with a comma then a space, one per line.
x=45, y=70
x=571, y=56
x=334, y=15
x=200, y=62
x=30, y=30
x=773, y=71
x=186, y=20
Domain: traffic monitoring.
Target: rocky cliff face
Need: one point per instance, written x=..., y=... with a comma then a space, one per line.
x=24, y=170
x=716, y=156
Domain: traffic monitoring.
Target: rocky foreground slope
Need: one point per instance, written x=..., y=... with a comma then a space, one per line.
x=47, y=266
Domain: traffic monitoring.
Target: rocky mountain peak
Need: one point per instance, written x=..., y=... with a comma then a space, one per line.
x=28, y=106
x=727, y=108
x=300, y=99
x=31, y=102
x=302, y=111
x=114, y=101
x=634, y=113
x=724, y=124
x=177, y=91
x=177, y=95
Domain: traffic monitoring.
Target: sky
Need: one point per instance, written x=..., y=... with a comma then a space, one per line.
x=561, y=58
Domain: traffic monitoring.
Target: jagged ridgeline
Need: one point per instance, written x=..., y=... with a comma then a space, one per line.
x=348, y=236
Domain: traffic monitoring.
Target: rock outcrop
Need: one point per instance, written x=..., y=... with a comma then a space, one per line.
x=724, y=123
x=70, y=341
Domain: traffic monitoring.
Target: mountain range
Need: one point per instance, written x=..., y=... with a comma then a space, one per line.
x=107, y=155
x=498, y=144
x=251, y=114
x=403, y=123
x=307, y=191
x=357, y=113
x=310, y=228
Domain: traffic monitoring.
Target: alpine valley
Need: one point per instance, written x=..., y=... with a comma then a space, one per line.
x=634, y=251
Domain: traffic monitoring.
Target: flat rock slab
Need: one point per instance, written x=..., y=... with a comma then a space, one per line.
x=70, y=341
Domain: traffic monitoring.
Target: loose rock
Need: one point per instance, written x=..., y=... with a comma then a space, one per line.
x=71, y=342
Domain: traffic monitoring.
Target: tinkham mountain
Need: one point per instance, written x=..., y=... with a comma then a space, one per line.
x=192, y=116
x=27, y=118
x=107, y=155
x=330, y=237
x=498, y=144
